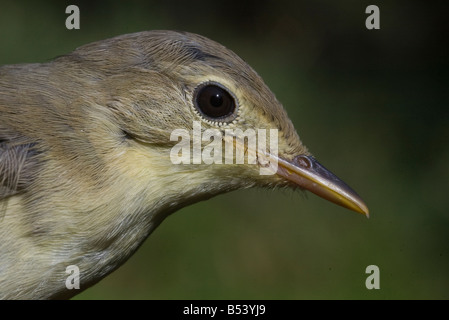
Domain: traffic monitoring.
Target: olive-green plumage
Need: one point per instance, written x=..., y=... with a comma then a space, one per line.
x=85, y=170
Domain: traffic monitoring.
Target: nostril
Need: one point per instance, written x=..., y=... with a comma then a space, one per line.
x=303, y=161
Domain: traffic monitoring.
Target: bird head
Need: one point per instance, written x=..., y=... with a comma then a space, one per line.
x=191, y=91
x=98, y=146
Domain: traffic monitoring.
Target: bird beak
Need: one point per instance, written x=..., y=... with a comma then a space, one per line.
x=308, y=173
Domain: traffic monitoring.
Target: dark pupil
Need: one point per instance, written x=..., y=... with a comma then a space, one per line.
x=215, y=102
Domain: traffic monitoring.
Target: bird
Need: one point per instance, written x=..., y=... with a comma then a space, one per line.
x=87, y=162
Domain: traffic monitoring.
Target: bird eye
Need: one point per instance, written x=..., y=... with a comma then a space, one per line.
x=214, y=102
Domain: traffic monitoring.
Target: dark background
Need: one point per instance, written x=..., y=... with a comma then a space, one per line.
x=371, y=105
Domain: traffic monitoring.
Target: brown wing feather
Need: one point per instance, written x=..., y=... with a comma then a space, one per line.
x=16, y=165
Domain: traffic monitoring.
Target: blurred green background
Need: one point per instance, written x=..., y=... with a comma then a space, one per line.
x=372, y=106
